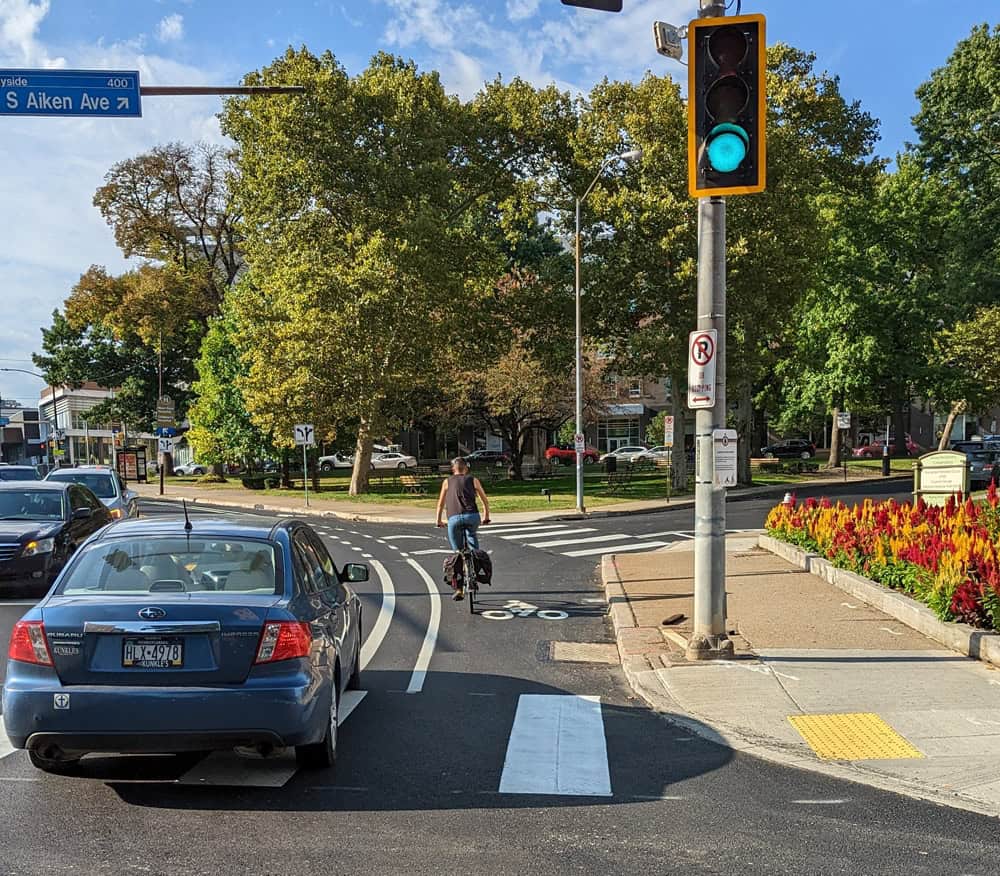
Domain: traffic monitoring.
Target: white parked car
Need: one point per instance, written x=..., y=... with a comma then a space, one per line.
x=335, y=460
x=661, y=451
x=190, y=468
x=393, y=460
x=625, y=454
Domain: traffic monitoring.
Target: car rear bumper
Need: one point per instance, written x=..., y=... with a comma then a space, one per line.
x=289, y=711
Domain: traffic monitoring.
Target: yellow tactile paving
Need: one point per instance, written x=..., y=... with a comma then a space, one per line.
x=859, y=736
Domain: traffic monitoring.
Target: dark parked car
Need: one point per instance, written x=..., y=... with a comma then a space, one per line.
x=41, y=525
x=984, y=467
x=162, y=638
x=18, y=473
x=791, y=448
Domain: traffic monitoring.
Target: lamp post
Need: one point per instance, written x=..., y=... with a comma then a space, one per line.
x=631, y=155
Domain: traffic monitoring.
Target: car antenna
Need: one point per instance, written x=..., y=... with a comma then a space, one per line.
x=187, y=520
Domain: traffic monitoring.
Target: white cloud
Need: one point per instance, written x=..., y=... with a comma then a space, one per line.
x=52, y=167
x=518, y=10
x=170, y=28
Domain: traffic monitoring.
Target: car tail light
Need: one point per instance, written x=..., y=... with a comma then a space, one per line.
x=28, y=643
x=283, y=640
x=116, y=513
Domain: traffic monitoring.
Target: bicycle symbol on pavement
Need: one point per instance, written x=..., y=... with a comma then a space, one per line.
x=516, y=608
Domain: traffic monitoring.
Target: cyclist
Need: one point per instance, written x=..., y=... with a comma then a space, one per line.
x=458, y=497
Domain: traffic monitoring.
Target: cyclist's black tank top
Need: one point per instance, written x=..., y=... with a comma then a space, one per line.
x=461, y=495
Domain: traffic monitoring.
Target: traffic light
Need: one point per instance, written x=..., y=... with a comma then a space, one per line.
x=603, y=5
x=727, y=112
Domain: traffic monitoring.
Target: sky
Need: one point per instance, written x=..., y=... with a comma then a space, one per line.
x=50, y=167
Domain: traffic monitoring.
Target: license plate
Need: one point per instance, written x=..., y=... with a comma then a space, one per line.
x=152, y=653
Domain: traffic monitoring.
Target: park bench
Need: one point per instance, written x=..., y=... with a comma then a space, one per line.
x=620, y=481
x=412, y=484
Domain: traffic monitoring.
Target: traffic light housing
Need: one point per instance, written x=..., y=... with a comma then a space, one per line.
x=602, y=5
x=727, y=109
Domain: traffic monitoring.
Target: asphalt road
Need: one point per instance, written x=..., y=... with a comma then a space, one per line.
x=503, y=758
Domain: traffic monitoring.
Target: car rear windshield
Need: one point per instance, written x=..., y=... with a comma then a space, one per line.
x=163, y=564
x=31, y=505
x=19, y=474
x=100, y=484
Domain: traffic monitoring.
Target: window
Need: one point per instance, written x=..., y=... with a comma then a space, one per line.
x=635, y=389
x=312, y=572
x=100, y=483
x=31, y=504
x=166, y=564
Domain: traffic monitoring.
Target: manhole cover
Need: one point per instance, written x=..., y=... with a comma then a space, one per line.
x=585, y=652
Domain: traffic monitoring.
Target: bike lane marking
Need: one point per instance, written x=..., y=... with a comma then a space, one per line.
x=419, y=675
x=385, y=613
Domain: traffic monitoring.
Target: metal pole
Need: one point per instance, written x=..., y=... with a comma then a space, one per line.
x=579, y=372
x=709, y=640
x=305, y=474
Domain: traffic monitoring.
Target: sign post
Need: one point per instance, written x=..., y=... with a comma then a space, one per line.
x=305, y=436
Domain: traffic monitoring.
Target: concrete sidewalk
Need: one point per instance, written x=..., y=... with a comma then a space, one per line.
x=372, y=512
x=820, y=681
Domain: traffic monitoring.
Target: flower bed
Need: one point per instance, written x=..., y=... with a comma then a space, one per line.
x=947, y=557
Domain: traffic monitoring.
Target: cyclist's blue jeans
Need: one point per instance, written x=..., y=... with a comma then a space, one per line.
x=463, y=523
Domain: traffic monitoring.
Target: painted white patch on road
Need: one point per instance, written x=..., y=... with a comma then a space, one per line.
x=667, y=534
x=385, y=613
x=5, y=746
x=557, y=747
x=399, y=537
x=565, y=541
x=499, y=530
x=526, y=536
x=431, y=551
x=616, y=549
x=430, y=637
x=232, y=769
x=349, y=701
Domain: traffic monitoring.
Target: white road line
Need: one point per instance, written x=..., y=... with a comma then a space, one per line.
x=356, y=549
x=523, y=536
x=591, y=540
x=498, y=530
x=668, y=532
x=557, y=746
x=430, y=638
x=392, y=547
x=385, y=613
x=431, y=551
x=398, y=537
x=838, y=802
x=5, y=746
x=349, y=701
x=367, y=556
x=615, y=549
x=230, y=768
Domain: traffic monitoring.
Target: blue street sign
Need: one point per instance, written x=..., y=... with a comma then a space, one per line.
x=165, y=432
x=4, y=421
x=110, y=93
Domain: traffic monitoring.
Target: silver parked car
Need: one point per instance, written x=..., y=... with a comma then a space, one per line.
x=104, y=483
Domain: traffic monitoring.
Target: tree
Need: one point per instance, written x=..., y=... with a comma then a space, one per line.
x=362, y=202
x=517, y=395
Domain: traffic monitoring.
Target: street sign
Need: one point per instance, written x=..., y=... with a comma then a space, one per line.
x=4, y=421
x=165, y=411
x=164, y=445
x=108, y=93
x=165, y=431
x=844, y=420
x=702, y=346
x=580, y=442
x=304, y=435
x=668, y=431
x=725, y=457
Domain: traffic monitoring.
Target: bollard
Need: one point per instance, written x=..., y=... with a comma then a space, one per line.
x=885, y=460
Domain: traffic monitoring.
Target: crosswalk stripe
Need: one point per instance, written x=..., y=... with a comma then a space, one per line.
x=557, y=746
x=398, y=537
x=565, y=541
x=431, y=551
x=496, y=530
x=559, y=532
x=669, y=532
x=5, y=746
x=615, y=549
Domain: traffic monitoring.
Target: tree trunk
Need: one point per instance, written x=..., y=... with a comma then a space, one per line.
x=957, y=409
x=286, y=469
x=516, y=441
x=362, y=459
x=678, y=455
x=835, y=442
x=744, y=430
x=899, y=427
x=314, y=469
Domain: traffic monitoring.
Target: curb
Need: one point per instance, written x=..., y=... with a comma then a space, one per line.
x=978, y=644
x=640, y=672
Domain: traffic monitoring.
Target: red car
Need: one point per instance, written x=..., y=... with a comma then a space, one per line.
x=566, y=453
x=874, y=450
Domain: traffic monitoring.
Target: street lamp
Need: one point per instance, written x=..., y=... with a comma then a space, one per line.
x=631, y=155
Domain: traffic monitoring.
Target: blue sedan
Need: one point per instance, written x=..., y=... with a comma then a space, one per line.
x=167, y=636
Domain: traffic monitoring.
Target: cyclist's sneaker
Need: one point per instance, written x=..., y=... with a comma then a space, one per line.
x=459, y=594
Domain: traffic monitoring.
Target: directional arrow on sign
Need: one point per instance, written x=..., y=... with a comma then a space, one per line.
x=123, y=103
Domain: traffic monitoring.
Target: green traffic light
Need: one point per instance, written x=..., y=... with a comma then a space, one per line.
x=727, y=147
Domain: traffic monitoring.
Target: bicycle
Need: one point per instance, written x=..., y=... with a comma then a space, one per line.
x=471, y=585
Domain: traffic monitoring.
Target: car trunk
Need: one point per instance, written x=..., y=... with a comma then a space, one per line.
x=201, y=640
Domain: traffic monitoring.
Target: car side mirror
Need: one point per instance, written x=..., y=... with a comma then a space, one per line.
x=83, y=514
x=355, y=573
